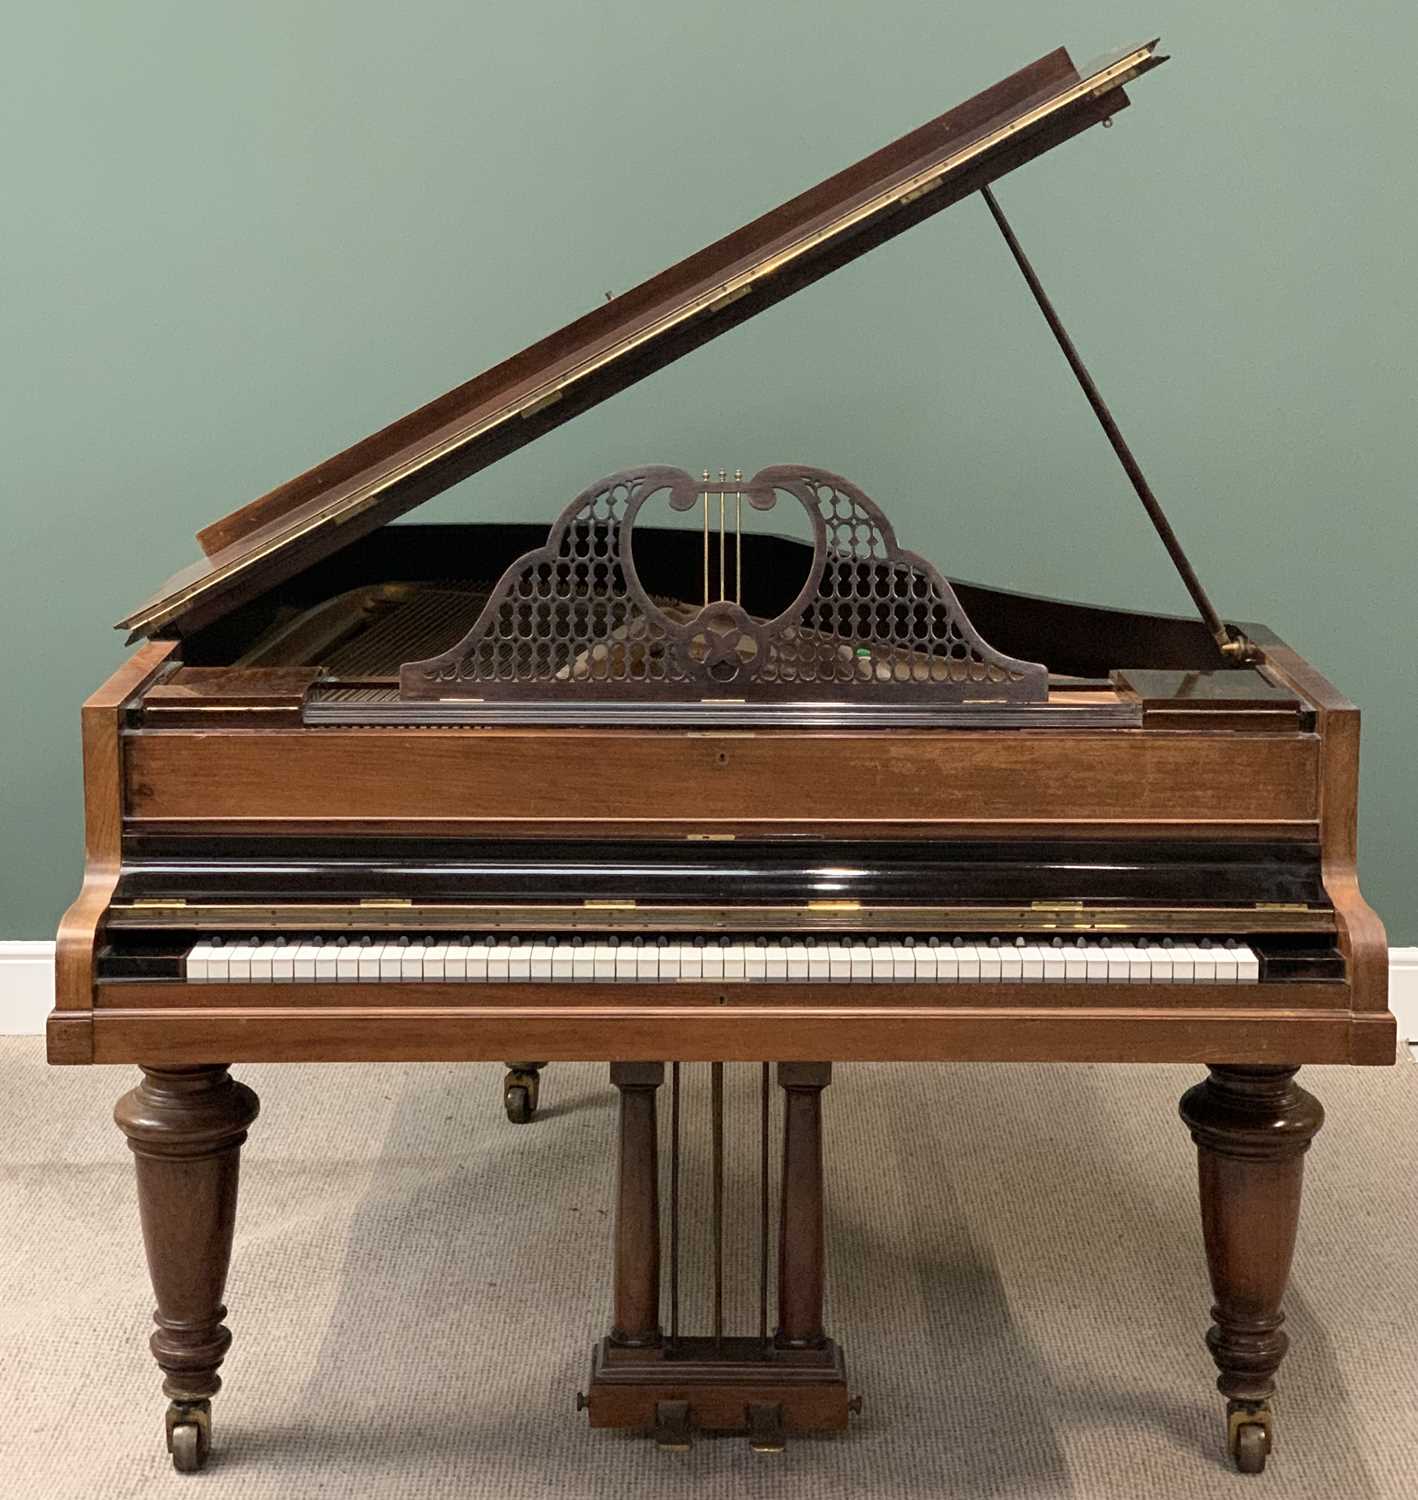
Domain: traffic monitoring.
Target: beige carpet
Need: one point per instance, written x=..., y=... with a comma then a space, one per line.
x=1017, y=1279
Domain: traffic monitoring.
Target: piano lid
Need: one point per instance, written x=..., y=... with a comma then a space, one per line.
x=622, y=341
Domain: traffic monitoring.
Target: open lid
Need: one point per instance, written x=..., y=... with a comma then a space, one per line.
x=620, y=342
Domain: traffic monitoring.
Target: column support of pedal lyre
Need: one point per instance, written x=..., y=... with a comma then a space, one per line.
x=766, y=1385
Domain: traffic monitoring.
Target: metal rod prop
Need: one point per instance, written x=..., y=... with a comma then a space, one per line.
x=1150, y=502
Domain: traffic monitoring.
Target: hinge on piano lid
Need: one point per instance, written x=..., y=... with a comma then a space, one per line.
x=609, y=905
x=834, y=906
x=385, y=901
x=167, y=904
x=1280, y=906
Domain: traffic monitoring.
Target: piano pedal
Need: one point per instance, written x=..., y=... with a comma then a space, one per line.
x=520, y=1090
x=672, y=1430
x=765, y=1427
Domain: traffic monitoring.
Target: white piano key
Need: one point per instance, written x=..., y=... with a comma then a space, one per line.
x=282, y=963
x=713, y=958
x=647, y=963
x=1055, y=964
x=880, y=963
x=1160, y=960
x=797, y=962
x=195, y=967
x=239, y=963
x=435, y=963
x=735, y=961
x=1183, y=969
x=1247, y=965
x=1119, y=969
x=755, y=963
x=775, y=963
x=583, y=964
x=1031, y=958
x=1203, y=964
x=861, y=963
x=519, y=963
x=369, y=959
x=903, y=963
x=218, y=962
x=967, y=958
x=563, y=963
x=934, y=965
x=346, y=964
x=839, y=964
x=671, y=962
x=261, y=956
x=691, y=962
x=305, y=954
x=624, y=964
x=1075, y=964
x=498, y=961
x=391, y=963
x=1225, y=960
x=1011, y=966
x=1139, y=968
x=541, y=962
x=603, y=962
x=819, y=967
x=1097, y=971
x=989, y=960
x=326, y=964
x=475, y=961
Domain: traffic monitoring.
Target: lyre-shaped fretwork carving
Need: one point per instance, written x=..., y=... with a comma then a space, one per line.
x=872, y=623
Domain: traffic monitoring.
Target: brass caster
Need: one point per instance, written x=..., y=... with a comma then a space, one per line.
x=1248, y=1435
x=581, y=1402
x=519, y=1094
x=855, y=1406
x=189, y=1434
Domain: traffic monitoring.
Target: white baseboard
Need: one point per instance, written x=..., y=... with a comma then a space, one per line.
x=27, y=988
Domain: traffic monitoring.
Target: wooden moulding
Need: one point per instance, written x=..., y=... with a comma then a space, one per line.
x=742, y=1034
x=689, y=779
x=626, y=1386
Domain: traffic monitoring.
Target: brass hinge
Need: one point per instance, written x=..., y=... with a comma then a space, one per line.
x=1056, y=906
x=609, y=905
x=381, y=901
x=161, y=905
x=834, y=906
x=711, y=838
x=1281, y=906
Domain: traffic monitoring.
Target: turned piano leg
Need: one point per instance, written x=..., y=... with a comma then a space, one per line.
x=520, y=1089
x=1252, y=1127
x=802, y=1251
x=185, y=1127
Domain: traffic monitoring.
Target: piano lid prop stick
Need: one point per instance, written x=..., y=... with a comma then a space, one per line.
x=1238, y=648
x=738, y=538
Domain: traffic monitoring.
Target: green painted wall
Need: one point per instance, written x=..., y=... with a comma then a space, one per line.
x=237, y=238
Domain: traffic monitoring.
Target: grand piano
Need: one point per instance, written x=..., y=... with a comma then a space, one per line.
x=709, y=769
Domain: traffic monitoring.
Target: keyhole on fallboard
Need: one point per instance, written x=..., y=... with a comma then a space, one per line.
x=722, y=758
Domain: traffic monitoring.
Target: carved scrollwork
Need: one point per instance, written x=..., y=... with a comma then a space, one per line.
x=872, y=622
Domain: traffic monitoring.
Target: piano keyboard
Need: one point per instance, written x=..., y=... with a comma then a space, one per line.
x=719, y=960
